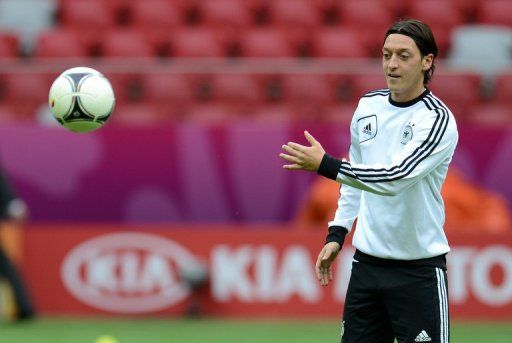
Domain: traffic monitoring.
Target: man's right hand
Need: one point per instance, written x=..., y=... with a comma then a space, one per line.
x=324, y=261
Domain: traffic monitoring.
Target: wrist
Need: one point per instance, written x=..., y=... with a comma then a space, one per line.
x=336, y=234
x=329, y=167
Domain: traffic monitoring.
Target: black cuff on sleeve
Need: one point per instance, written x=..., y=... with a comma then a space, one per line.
x=329, y=167
x=336, y=234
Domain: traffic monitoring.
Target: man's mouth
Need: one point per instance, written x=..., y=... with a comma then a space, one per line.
x=393, y=76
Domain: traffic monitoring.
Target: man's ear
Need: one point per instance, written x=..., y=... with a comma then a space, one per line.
x=427, y=62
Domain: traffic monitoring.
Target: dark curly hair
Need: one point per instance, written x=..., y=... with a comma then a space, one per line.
x=422, y=36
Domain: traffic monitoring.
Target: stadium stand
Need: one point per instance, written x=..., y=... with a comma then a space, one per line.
x=442, y=17
x=338, y=42
x=125, y=43
x=503, y=88
x=319, y=32
x=61, y=43
x=24, y=92
x=460, y=91
x=239, y=90
x=301, y=89
x=154, y=14
x=295, y=13
x=167, y=90
x=197, y=42
x=266, y=42
x=226, y=14
x=90, y=14
x=9, y=45
x=36, y=17
x=495, y=12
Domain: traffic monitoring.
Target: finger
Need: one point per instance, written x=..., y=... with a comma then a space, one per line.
x=290, y=158
x=291, y=150
x=296, y=146
x=319, y=268
x=325, y=277
x=310, y=138
x=317, y=265
x=292, y=167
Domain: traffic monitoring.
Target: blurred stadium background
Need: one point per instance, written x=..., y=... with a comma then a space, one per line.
x=178, y=207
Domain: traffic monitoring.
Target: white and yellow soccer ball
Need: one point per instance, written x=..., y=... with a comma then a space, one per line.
x=81, y=99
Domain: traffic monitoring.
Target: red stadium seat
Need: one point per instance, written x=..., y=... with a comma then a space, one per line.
x=338, y=42
x=295, y=13
x=61, y=43
x=173, y=90
x=363, y=83
x=307, y=89
x=459, y=91
x=25, y=92
x=503, y=88
x=155, y=14
x=237, y=89
x=266, y=42
x=495, y=12
x=127, y=87
x=442, y=16
x=9, y=45
x=24, y=87
x=93, y=15
x=197, y=42
x=371, y=18
x=125, y=43
x=233, y=14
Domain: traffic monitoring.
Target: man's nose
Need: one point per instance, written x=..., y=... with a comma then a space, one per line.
x=393, y=62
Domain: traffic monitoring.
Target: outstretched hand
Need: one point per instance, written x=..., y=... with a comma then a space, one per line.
x=303, y=157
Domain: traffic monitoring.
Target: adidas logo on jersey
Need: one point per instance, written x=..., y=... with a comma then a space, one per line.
x=423, y=337
x=368, y=129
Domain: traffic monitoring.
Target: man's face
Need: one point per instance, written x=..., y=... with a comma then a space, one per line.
x=403, y=65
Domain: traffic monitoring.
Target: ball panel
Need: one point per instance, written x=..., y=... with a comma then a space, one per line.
x=82, y=125
x=61, y=97
x=96, y=96
x=81, y=70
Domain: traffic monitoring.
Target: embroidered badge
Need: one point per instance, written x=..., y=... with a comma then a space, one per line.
x=407, y=134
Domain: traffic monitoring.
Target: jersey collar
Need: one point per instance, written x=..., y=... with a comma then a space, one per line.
x=410, y=102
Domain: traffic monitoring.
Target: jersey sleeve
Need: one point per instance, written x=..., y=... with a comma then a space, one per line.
x=434, y=141
x=350, y=197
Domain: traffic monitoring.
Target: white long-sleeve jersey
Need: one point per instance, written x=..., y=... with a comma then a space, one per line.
x=399, y=157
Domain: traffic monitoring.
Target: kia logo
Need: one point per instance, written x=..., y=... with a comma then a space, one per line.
x=127, y=272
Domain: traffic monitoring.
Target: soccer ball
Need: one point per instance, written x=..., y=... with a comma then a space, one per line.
x=81, y=99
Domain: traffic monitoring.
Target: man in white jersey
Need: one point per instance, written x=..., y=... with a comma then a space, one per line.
x=402, y=141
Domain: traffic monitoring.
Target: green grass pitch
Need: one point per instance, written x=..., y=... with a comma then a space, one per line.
x=82, y=330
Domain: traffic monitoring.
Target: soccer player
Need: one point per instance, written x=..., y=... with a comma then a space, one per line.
x=402, y=141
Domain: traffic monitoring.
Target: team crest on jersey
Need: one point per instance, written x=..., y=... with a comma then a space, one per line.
x=407, y=134
x=367, y=127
